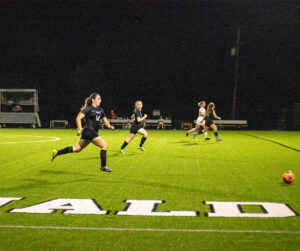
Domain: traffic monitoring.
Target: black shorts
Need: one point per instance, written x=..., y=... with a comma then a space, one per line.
x=89, y=134
x=134, y=128
x=208, y=122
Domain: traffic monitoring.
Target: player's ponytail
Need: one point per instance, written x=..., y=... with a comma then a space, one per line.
x=88, y=101
x=210, y=108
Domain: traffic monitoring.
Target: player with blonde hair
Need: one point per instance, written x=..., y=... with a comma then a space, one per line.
x=136, y=127
x=200, y=121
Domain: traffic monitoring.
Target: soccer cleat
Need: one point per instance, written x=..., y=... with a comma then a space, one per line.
x=218, y=140
x=141, y=148
x=54, y=154
x=194, y=135
x=207, y=138
x=105, y=169
x=187, y=133
x=122, y=151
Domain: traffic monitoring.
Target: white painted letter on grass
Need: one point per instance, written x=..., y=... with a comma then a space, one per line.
x=148, y=208
x=6, y=200
x=234, y=209
x=69, y=206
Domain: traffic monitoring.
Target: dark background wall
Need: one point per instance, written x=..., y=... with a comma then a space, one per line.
x=168, y=54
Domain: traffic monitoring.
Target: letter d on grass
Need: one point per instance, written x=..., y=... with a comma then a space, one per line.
x=234, y=209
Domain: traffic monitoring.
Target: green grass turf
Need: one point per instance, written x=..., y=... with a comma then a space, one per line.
x=175, y=168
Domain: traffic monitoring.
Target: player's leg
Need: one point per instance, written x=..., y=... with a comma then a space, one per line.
x=70, y=149
x=127, y=141
x=205, y=133
x=100, y=142
x=145, y=135
x=80, y=145
x=204, y=130
x=214, y=127
x=206, y=136
x=197, y=128
x=193, y=129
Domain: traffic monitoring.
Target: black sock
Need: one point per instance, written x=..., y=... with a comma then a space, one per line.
x=124, y=145
x=216, y=135
x=103, y=157
x=142, y=141
x=68, y=149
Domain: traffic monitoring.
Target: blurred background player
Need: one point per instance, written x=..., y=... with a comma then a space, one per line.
x=136, y=127
x=161, y=123
x=200, y=121
x=209, y=123
x=91, y=112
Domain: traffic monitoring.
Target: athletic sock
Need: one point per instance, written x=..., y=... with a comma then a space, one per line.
x=216, y=135
x=68, y=149
x=142, y=141
x=124, y=145
x=192, y=130
x=205, y=134
x=103, y=157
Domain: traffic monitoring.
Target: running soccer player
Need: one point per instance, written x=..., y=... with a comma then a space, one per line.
x=91, y=112
x=209, y=123
x=200, y=121
x=136, y=127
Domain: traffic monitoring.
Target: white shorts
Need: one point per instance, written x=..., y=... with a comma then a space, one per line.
x=200, y=121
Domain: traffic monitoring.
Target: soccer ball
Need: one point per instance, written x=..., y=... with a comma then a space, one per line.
x=288, y=177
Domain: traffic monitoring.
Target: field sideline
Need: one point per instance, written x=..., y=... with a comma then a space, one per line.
x=177, y=169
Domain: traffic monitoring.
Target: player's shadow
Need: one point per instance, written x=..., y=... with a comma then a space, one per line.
x=194, y=143
x=151, y=185
x=35, y=183
x=56, y=172
x=189, y=144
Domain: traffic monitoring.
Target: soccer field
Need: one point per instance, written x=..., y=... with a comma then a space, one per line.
x=182, y=172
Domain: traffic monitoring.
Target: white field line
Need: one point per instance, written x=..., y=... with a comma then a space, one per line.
x=153, y=229
x=36, y=141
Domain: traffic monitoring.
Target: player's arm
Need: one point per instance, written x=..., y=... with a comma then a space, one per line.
x=107, y=124
x=215, y=115
x=139, y=119
x=79, y=117
x=201, y=114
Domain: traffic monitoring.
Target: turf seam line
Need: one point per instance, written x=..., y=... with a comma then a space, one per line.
x=273, y=141
x=151, y=229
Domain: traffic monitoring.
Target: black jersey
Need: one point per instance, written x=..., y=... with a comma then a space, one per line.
x=210, y=117
x=93, y=116
x=137, y=114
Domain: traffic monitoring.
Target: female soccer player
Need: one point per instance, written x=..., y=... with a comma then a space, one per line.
x=200, y=121
x=136, y=127
x=91, y=112
x=209, y=116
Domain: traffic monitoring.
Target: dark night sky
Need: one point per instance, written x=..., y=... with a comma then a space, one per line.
x=169, y=54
